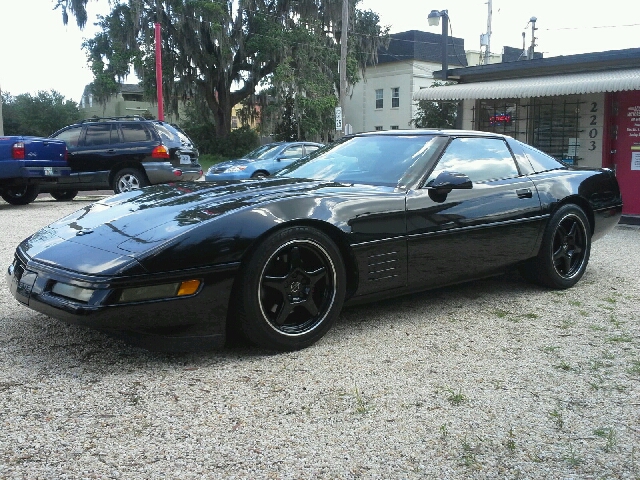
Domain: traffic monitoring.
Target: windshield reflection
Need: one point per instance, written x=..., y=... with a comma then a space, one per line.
x=371, y=159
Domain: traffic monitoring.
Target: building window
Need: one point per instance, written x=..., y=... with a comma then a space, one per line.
x=234, y=121
x=395, y=97
x=550, y=124
x=379, y=99
x=378, y=128
x=395, y=127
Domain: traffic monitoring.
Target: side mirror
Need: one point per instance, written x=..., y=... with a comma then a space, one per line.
x=450, y=181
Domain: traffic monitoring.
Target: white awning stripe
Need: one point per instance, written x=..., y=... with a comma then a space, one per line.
x=568, y=84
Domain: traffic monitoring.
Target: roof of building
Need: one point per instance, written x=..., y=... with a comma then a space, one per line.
x=424, y=46
x=583, y=62
x=540, y=86
x=124, y=88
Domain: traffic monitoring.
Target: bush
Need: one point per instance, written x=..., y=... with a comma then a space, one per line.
x=239, y=142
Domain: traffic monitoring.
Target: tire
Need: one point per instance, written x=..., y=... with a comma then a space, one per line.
x=129, y=179
x=564, y=253
x=21, y=195
x=291, y=290
x=62, y=195
x=259, y=174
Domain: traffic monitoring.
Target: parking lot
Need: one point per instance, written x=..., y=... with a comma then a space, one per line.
x=492, y=379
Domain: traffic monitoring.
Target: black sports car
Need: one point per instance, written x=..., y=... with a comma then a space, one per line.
x=370, y=216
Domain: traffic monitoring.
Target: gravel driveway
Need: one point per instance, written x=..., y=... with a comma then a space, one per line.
x=493, y=379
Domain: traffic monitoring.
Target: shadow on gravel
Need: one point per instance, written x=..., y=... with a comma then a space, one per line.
x=53, y=347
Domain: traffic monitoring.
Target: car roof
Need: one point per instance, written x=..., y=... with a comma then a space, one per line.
x=431, y=131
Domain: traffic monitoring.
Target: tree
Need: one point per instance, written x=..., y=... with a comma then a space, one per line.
x=432, y=114
x=217, y=51
x=305, y=83
x=40, y=116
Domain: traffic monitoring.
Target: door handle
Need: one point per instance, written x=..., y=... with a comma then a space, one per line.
x=524, y=193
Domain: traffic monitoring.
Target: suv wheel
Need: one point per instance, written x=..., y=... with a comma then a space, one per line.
x=21, y=195
x=129, y=179
x=61, y=195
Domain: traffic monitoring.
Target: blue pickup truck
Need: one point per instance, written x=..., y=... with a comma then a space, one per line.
x=26, y=163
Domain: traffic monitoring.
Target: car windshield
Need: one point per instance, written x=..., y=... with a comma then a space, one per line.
x=263, y=151
x=370, y=159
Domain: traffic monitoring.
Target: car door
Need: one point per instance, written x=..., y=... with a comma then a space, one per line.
x=90, y=160
x=288, y=156
x=462, y=233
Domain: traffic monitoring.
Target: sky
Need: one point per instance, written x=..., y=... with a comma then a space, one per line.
x=39, y=53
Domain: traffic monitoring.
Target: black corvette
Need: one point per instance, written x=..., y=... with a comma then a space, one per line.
x=373, y=215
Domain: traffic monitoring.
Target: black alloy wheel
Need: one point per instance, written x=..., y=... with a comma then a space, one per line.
x=565, y=250
x=292, y=289
x=20, y=195
x=61, y=195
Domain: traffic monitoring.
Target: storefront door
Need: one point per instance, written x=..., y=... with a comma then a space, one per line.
x=625, y=148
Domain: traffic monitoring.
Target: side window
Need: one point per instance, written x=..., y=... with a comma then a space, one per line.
x=541, y=161
x=481, y=159
x=98, y=134
x=310, y=148
x=134, y=132
x=292, y=152
x=70, y=136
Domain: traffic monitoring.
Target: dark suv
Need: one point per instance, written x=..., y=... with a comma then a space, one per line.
x=124, y=153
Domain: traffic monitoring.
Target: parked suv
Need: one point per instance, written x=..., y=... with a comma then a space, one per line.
x=124, y=153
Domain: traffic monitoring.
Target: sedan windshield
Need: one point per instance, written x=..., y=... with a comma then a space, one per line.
x=370, y=159
x=264, y=151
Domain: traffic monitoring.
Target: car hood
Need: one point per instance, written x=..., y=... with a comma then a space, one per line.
x=218, y=167
x=133, y=224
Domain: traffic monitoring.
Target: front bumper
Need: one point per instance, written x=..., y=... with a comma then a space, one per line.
x=164, y=172
x=176, y=324
x=215, y=177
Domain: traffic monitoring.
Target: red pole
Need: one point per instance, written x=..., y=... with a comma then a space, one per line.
x=159, y=72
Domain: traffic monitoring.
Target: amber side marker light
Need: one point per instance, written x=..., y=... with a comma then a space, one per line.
x=188, y=287
x=157, y=292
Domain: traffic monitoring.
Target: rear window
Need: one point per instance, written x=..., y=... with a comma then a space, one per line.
x=541, y=162
x=134, y=132
x=70, y=136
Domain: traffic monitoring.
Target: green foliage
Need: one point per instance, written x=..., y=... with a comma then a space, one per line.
x=39, y=115
x=237, y=143
x=218, y=52
x=436, y=114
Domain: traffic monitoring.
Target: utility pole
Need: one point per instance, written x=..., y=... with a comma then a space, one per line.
x=343, y=57
x=1, y=122
x=487, y=52
x=533, y=21
x=158, y=40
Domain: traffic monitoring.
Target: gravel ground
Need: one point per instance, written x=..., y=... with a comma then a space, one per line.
x=493, y=379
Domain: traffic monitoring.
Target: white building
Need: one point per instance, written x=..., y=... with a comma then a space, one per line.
x=383, y=99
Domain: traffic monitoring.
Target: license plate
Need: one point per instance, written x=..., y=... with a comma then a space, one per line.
x=48, y=171
x=185, y=159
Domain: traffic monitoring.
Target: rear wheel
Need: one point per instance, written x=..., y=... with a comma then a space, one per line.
x=259, y=174
x=21, y=195
x=291, y=290
x=61, y=195
x=564, y=253
x=129, y=179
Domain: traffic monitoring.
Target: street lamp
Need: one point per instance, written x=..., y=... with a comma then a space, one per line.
x=434, y=19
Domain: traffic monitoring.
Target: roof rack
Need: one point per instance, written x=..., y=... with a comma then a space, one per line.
x=123, y=117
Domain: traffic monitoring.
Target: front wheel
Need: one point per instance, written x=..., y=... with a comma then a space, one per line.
x=129, y=179
x=61, y=195
x=291, y=290
x=21, y=195
x=564, y=253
